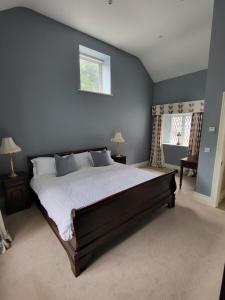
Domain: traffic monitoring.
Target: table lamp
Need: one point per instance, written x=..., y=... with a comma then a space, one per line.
x=178, y=138
x=118, y=139
x=9, y=147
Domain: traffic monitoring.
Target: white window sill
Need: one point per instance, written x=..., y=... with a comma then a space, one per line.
x=184, y=146
x=98, y=93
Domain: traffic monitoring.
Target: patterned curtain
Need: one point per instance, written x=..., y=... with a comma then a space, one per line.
x=195, y=134
x=157, y=156
x=5, y=239
x=195, y=138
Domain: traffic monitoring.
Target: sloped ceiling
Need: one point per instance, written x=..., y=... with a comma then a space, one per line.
x=170, y=37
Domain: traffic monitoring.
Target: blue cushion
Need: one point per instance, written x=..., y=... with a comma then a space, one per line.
x=65, y=165
x=101, y=158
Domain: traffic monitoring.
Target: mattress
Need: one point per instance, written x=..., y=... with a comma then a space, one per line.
x=59, y=195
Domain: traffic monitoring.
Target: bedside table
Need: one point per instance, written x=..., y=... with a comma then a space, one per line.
x=17, y=192
x=120, y=159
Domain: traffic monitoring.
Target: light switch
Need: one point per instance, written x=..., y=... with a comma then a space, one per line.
x=207, y=150
x=212, y=129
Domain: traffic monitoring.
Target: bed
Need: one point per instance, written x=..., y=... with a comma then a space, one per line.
x=102, y=213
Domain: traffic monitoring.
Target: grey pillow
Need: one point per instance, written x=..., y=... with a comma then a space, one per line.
x=65, y=165
x=100, y=158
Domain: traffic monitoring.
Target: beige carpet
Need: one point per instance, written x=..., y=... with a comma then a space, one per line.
x=179, y=254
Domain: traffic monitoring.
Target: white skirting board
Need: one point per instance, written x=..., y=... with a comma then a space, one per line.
x=196, y=196
x=145, y=163
x=172, y=167
x=140, y=164
x=207, y=200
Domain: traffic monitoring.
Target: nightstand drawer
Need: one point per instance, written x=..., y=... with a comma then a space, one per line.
x=13, y=182
x=17, y=192
x=120, y=159
x=18, y=198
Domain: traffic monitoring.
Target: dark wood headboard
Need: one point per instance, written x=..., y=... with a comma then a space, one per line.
x=29, y=158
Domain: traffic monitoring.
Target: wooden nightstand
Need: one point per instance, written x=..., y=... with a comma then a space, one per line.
x=17, y=192
x=120, y=159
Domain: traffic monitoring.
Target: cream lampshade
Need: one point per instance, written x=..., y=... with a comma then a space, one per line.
x=118, y=139
x=9, y=147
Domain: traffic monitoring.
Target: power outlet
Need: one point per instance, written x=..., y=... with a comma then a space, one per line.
x=207, y=150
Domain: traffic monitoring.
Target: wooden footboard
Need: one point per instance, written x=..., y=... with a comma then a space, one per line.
x=101, y=222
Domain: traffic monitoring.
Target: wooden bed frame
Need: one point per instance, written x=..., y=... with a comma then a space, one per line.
x=101, y=222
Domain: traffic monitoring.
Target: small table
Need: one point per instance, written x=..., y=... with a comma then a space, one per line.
x=120, y=159
x=190, y=162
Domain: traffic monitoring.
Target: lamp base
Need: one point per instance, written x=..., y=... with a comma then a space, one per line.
x=13, y=175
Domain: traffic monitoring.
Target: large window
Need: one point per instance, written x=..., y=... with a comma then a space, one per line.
x=95, y=73
x=176, y=129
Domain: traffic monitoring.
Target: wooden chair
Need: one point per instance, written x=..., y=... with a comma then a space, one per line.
x=190, y=162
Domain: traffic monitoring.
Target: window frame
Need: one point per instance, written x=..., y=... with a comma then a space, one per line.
x=99, y=62
x=104, y=75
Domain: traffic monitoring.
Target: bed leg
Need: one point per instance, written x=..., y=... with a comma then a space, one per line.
x=80, y=263
x=75, y=267
x=171, y=203
x=173, y=187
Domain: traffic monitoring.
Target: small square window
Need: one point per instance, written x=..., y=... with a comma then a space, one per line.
x=95, y=73
x=90, y=74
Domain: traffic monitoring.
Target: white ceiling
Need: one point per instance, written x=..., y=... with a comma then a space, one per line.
x=171, y=37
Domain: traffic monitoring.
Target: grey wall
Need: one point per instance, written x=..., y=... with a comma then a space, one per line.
x=41, y=107
x=214, y=93
x=183, y=88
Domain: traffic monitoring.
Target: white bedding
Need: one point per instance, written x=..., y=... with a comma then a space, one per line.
x=59, y=195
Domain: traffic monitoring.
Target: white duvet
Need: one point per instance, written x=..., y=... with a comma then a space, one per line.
x=59, y=195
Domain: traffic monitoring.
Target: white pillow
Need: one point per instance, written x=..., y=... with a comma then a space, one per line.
x=83, y=160
x=43, y=166
x=34, y=170
x=109, y=153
